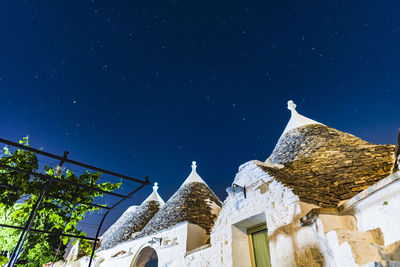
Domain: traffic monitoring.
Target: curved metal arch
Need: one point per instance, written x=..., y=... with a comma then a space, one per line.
x=52, y=179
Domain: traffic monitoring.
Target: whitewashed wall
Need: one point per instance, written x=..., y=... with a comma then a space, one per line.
x=381, y=209
x=170, y=254
x=267, y=201
x=332, y=240
x=320, y=244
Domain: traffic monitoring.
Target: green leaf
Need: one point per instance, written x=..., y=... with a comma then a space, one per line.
x=55, y=214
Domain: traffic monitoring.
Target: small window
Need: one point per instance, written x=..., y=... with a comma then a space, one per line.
x=259, y=247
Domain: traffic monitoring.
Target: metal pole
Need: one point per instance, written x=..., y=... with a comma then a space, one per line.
x=17, y=250
x=46, y=176
x=48, y=232
x=60, y=241
x=108, y=211
x=40, y=152
x=97, y=235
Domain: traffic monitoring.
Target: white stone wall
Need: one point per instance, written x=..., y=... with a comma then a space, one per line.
x=331, y=240
x=203, y=256
x=196, y=237
x=381, y=209
x=273, y=203
x=170, y=254
x=335, y=252
x=266, y=201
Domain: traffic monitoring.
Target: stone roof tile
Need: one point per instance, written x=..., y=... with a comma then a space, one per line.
x=324, y=166
x=132, y=221
x=194, y=202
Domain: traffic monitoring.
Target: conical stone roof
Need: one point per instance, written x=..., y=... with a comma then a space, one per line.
x=324, y=166
x=194, y=202
x=132, y=221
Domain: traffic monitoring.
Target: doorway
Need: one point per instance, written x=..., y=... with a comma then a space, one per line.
x=259, y=246
x=147, y=257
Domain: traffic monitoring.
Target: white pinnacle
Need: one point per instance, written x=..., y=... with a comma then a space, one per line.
x=193, y=176
x=296, y=120
x=291, y=105
x=194, y=166
x=155, y=187
x=154, y=196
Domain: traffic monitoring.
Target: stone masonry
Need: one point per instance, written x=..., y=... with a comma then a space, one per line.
x=131, y=223
x=324, y=166
x=191, y=203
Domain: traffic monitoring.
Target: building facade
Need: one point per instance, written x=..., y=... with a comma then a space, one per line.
x=322, y=198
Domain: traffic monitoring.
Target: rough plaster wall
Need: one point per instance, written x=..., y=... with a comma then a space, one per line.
x=281, y=210
x=239, y=234
x=168, y=255
x=319, y=244
x=334, y=253
x=290, y=244
x=196, y=237
x=384, y=207
x=201, y=258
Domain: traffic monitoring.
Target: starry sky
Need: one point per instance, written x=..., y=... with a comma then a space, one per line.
x=145, y=87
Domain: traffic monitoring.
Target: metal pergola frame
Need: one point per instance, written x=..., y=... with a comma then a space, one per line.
x=50, y=179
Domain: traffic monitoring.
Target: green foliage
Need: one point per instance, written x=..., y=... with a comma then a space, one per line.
x=3, y=260
x=38, y=246
x=60, y=211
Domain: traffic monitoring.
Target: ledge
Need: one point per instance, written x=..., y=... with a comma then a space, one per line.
x=346, y=207
x=197, y=249
x=349, y=204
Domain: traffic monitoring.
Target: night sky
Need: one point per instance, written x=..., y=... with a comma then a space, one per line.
x=145, y=87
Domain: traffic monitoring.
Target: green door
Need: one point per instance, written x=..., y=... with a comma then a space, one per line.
x=261, y=248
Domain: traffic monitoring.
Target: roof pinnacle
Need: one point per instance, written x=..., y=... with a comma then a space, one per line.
x=154, y=195
x=155, y=187
x=296, y=119
x=291, y=105
x=193, y=176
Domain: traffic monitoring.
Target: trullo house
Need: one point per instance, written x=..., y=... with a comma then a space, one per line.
x=322, y=198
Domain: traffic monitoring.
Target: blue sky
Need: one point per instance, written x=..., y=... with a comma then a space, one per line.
x=145, y=87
